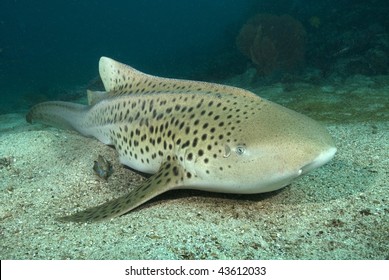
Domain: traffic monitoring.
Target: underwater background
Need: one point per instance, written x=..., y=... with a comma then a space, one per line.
x=326, y=59
x=49, y=48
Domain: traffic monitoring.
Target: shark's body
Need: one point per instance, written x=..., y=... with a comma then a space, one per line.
x=190, y=135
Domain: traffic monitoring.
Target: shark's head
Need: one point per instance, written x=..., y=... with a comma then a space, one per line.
x=267, y=150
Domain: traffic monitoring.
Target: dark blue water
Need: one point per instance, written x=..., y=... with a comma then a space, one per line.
x=45, y=43
x=50, y=47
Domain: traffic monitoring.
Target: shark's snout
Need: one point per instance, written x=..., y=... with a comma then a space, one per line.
x=320, y=160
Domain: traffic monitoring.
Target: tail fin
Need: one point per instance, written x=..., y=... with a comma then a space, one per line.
x=59, y=114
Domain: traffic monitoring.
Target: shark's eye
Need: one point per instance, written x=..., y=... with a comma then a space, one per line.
x=240, y=149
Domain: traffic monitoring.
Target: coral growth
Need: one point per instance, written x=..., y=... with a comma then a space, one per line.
x=272, y=42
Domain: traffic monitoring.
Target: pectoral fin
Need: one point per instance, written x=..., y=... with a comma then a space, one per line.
x=168, y=177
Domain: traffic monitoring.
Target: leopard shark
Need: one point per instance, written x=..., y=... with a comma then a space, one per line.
x=189, y=135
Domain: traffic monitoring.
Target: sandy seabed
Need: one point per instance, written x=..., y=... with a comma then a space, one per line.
x=339, y=211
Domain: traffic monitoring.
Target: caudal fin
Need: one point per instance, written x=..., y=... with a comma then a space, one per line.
x=59, y=114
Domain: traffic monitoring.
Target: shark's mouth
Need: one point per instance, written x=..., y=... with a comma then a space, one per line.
x=320, y=160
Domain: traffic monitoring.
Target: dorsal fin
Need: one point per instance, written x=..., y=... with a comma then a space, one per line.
x=95, y=96
x=121, y=79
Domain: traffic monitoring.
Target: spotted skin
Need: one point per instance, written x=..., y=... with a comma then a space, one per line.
x=190, y=135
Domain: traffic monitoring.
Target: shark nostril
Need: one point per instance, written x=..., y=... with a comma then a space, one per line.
x=306, y=168
x=320, y=160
